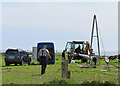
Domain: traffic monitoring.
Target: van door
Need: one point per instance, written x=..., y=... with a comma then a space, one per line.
x=50, y=47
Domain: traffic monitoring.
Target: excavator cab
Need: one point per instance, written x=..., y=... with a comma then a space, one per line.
x=79, y=46
x=75, y=46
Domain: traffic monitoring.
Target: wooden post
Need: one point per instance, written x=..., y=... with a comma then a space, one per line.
x=65, y=72
x=66, y=67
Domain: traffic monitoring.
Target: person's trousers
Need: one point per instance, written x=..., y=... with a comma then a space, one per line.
x=43, y=63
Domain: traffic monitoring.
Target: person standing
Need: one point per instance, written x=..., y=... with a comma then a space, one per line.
x=63, y=55
x=87, y=48
x=43, y=54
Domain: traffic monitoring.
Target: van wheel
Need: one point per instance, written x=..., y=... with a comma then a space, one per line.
x=15, y=64
x=7, y=64
x=21, y=63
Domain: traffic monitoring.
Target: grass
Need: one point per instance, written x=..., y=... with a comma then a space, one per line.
x=30, y=74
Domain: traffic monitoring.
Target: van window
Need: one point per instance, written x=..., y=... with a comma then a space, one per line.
x=11, y=51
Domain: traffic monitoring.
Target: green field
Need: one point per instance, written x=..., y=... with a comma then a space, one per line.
x=30, y=74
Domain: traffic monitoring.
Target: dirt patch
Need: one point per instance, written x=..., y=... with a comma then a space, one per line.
x=107, y=65
x=85, y=66
x=104, y=70
x=115, y=70
x=110, y=70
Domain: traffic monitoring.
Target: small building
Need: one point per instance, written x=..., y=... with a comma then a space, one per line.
x=34, y=53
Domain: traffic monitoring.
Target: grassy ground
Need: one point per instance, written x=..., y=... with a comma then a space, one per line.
x=30, y=74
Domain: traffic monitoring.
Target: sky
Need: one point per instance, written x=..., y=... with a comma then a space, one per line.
x=118, y=28
x=24, y=24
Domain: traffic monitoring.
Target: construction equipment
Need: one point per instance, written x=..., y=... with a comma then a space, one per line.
x=79, y=50
x=97, y=36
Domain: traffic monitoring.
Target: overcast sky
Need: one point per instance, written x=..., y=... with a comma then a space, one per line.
x=25, y=24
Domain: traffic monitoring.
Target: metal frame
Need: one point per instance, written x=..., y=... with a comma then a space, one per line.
x=95, y=22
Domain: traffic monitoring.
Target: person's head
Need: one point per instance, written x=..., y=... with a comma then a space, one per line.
x=63, y=50
x=44, y=46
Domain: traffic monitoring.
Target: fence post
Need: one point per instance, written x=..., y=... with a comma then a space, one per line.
x=66, y=68
x=65, y=72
